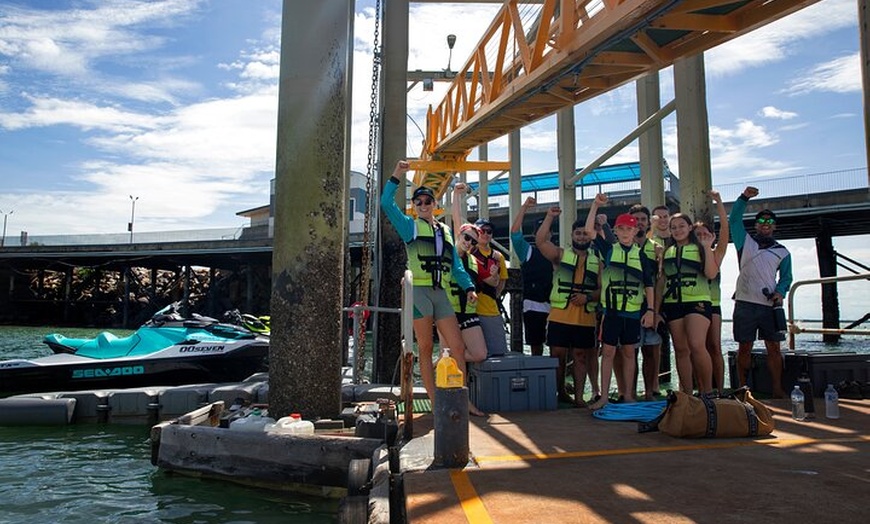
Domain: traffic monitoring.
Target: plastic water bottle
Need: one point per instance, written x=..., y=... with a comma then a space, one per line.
x=292, y=425
x=447, y=372
x=806, y=386
x=797, y=404
x=832, y=402
x=255, y=421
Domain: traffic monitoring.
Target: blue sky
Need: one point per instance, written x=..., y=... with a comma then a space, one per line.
x=175, y=101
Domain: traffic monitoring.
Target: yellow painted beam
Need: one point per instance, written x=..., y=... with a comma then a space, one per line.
x=458, y=166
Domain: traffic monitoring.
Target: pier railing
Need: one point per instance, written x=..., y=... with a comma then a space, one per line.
x=794, y=328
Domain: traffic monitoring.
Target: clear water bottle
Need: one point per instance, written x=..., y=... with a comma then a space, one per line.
x=797, y=404
x=806, y=386
x=832, y=402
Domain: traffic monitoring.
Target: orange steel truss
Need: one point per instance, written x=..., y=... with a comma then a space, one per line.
x=541, y=56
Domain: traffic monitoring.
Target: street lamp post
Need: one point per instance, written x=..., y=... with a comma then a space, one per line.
x=132, y=216
x=5, y=217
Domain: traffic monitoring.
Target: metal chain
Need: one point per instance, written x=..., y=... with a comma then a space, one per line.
x=367, y=244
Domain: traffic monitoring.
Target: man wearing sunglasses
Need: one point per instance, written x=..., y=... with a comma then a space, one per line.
x=762, y=283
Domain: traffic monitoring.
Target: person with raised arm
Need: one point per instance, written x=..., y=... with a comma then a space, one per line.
x=434, y=263
x=573, y=301
x=537, y=274
x=627, y=280
x=491, y=279
x=687, y=267
x=764, y=279
x=714, y=334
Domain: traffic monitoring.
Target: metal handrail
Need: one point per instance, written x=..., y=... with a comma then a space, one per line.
x=794, y=328
x=407, y=320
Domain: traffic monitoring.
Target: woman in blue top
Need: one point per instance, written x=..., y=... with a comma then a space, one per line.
x=431, y=256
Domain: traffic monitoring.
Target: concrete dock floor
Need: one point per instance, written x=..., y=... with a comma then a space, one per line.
x=566, y=466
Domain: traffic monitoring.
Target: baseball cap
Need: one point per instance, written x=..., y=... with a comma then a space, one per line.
x=765, y=213
x=625, y=220
x=482, y=222
x=423, y=190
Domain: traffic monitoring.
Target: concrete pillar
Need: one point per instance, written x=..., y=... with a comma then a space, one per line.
x=567, y=151
x=514, y=285
x=693, y=137
x=307, y=257
x=652, y=186
x=483, y=182
x=827, y=258
x=483, y=187
x=864, y=45
x=394, y=132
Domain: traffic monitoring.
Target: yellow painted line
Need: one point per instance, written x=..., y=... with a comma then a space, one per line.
x=471, y=503
x=660, y=449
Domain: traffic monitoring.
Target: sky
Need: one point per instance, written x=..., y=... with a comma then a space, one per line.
x=174, y=102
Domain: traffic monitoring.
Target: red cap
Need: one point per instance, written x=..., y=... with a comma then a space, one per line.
x=625, y=220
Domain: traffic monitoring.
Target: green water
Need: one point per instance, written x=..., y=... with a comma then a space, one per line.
x=93, y=473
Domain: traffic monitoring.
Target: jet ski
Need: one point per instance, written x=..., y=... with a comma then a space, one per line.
x=168, y=350
x=260, y=325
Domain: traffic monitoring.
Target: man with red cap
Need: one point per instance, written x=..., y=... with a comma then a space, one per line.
x=627, y=284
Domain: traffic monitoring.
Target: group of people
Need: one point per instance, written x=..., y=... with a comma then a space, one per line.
x=613, y=294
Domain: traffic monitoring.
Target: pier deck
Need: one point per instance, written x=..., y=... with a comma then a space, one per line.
x=565, y=466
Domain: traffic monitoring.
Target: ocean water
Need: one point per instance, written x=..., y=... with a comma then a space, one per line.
x=92, y=473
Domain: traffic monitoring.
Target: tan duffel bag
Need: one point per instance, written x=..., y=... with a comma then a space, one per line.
x=694, y=417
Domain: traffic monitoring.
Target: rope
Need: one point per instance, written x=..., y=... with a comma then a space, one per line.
x=367, y=244
x=639, y=411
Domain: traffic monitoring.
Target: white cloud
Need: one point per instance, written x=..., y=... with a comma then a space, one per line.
x=772, y=112
x=841, y=75
x=45, y=112
x=776, y=41
x=68, y=43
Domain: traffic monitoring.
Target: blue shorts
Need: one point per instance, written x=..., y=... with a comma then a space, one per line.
x=751, y=320
x=494, y=334
x=430, y=302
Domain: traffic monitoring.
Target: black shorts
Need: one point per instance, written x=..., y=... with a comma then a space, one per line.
x=716, y=310
x=535, y=327
x=676, y=311
x=467, y=320
x=617, y=330
x=569, y=336
x=751, y=322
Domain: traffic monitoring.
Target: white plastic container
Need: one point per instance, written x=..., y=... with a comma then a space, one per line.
x=292, y=425
x=255, y=421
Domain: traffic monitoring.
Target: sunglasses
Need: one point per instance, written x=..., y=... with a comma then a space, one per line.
x=486, y=230
x=424, y=202
x=762, y=220
x=469, y=238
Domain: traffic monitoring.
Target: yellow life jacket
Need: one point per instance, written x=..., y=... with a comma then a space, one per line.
x=622, y=280
x=563, y=279
x=459, y=297
x=429, y=266
x=683, y=267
